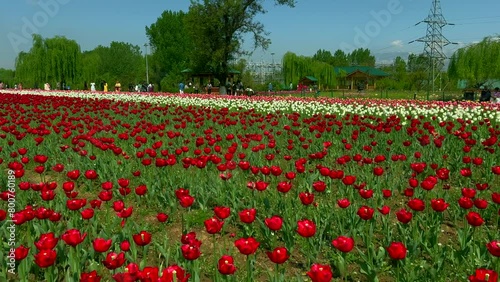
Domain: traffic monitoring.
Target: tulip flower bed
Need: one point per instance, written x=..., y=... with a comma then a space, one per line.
x=124, y=187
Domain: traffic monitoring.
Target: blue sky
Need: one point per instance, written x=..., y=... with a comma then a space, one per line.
x=383, y=26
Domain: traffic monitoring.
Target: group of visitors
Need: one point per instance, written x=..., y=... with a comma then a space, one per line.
x=487, y=96
x=18, y=86
x=195, y=88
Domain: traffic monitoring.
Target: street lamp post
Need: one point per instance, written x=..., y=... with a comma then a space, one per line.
x=147, y=67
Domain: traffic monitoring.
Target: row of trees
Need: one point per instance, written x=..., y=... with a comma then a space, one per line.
x=358, y=57
x=59, y=61
x=210, y=38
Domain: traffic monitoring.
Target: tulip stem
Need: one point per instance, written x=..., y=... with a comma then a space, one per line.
x=216, y=276
x=249, y=269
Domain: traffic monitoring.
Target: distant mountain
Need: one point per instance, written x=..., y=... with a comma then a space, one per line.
x=388, y=57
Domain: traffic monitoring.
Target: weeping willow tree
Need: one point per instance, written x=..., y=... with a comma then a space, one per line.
x=477, y=63
x=53, y=60
x=296, y=67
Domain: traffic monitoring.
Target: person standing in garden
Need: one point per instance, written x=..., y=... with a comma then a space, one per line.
x=496, y=95
x=92, y=86
x=209, y=88
x=118, y=86
x=181, y=88
x=485, y=94
x=105, y=86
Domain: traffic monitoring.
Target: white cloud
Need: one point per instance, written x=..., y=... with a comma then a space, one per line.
x=397, y=43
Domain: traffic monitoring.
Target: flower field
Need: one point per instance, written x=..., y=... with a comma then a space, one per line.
x=122, y=187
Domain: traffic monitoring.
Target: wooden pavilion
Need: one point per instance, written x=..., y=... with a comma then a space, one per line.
x=359, y=77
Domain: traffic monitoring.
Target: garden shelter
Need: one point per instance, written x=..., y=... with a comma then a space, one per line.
x=358, y=77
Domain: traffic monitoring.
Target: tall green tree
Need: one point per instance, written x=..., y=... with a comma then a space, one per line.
x=296, y=67
x=362, y=57
x=217, y=29
x=324, y=56
x=170, y=47
x=476, y=63
x=7, y=76
x=398, y=78
x=53, y=60
x=91, y=67
x=340, y=59
x=418, y=76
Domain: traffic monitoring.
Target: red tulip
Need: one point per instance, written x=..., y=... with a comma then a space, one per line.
x=73, y=237
x=226, y=265
x=439, y=205
x=404, y=216
x=385, y=210
x=162, y=217
x=213, y=225
x=365, y=194
x=365, y=212
x=141, y=190
x=465, y=203
x=125, y=213
x=73, y=175
x=349, y=179
x=494, y=248
x=480, y=203
x=247, y=246
x=343, y=244
x=123, y=182
x=149, y=274
x=40, y=159
x=95, y=204
x=386, y=193
x=279, y=255
x=87, y=213
x=47, y=195
x=320, y=273
x=142, y=238
x=416, y=204
x=186, y=201
x=495, y=197
x=378, y=171
x=306, y=198
x=107, y=185
x=496, y=169
x=179, y=193
x=397, y=250
x=114, y=260
x=20, y=253
x=90, y=277
x=174, y=273
x=222, y=212
x=190, y=252
x=68, y=186
x=474, y=219
x=484, y=275
x=101, y=245
x=248, y=215
x=319, y=186
x=306, y=228
x=274, y=223
x=343, y=203
x=468, y=192
x=91, y=174
x=125, y=246
x=45, y=258
x=284, y=187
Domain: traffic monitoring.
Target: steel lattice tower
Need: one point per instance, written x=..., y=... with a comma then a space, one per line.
x=434, y=42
